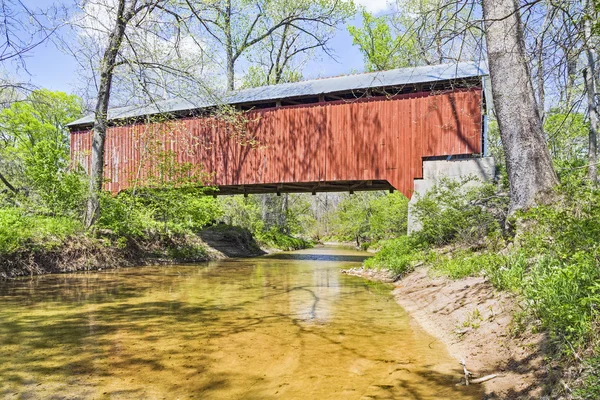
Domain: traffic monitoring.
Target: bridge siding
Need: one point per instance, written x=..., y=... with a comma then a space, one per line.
x=370, y=139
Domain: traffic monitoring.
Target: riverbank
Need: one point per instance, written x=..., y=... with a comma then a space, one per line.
x=476, y=323
x=83, y=252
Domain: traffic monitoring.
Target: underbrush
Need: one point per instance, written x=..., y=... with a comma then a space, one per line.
x=277, y=239
x=19, y=229
x=398, y=255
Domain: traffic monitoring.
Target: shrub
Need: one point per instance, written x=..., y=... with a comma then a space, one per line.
x=398, y=255
x=19, y=230
x=389, y=216
x=275, y=238
x=457, y=211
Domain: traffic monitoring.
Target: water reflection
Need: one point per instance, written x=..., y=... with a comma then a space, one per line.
x=272, y=327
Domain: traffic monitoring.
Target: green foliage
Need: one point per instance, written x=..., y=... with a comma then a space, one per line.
x=567, y=134
x=19, y=231
x=242, y=211
x=561, y=244
x=457, y=211
x=167, y=210
x=54, y=188
x=352, y=217
x=257, y=76
x=380, y=48
x=42, y=116
x=398, y=255
x=590, y=387
x=368, y=217
x=271, y=219
x=389, y=216
x=458, y=265
x=275, y=238
x=34, y=152
x=554, y=264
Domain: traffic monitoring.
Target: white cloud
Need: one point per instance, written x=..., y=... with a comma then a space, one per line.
x=375, y=6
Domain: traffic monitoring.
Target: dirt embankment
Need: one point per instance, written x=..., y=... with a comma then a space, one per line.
x=86, y=253
x=476, y=322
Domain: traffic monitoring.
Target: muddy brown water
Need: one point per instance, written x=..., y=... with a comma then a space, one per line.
x=287, y=326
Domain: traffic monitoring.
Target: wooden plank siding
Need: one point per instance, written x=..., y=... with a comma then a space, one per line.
x=377, y=138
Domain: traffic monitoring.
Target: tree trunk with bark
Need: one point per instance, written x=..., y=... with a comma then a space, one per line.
x=530, y=171
x=590, y=87
x=107, y=66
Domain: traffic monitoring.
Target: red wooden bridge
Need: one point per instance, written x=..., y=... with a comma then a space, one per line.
x=361, y=132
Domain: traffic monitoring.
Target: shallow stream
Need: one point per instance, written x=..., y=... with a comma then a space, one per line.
x=287, y=326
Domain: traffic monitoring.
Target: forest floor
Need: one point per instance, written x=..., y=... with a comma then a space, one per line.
x=476, y=322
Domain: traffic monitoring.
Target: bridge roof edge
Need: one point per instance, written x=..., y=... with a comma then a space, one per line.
x=314, y=87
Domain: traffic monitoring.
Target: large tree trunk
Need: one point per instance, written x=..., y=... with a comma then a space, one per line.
x=530, y=172
x=590, y=86
x=101, y=112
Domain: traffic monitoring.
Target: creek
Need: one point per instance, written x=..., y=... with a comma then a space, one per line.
x=286, y=325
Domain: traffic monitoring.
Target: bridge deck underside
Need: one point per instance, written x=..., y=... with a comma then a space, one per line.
x=305, y=187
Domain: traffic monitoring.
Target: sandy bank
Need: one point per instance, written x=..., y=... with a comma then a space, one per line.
x=476, y=322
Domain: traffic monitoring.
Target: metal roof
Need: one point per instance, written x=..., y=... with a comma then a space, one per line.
x=391, y=78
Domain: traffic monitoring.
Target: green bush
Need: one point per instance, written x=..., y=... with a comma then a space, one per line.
x=389, y=216
x=19, y=230
x=275, y=238
x=397, y=255
x=506, y=272
x=169, y=210
x=455, y=212
x=53, y=188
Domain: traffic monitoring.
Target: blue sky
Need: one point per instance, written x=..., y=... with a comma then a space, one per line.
x=50, y=68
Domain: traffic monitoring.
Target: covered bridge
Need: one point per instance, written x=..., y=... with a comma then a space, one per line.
x=368, y=131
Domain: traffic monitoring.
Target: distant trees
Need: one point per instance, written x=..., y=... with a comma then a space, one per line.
x=370, y=217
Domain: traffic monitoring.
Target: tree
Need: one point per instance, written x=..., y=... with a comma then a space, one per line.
x=382, y=50
x=442, y=31
x=237, y=26
x=23, y=28
x=590, y=79
x=125, y=12
x=120, y=32
x=34, y=150
x=530, y=171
